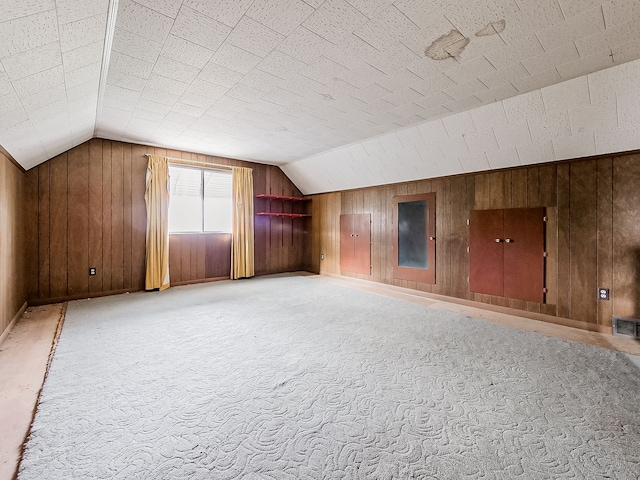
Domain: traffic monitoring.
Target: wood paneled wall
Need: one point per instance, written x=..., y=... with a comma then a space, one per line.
x=85, y=208
x=593, y=232
x=12, y=285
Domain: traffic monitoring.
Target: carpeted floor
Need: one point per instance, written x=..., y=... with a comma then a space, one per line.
x=294, y=378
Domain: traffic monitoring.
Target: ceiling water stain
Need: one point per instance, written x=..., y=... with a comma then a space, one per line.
x=492, y=28
x=450, y=45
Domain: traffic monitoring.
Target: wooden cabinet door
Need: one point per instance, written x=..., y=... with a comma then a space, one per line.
x=355, y=243
x=362, y=244
x=346, y=243
x=524, y=254
x=506, y=253
x=486, y=252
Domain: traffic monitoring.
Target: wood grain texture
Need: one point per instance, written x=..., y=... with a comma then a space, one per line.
x=78, y=209
x=58, y=227
x=605, y=237
x=583, y=241
x=90, y=212
x=626, y=240
x=592, y=207
x=12, y=244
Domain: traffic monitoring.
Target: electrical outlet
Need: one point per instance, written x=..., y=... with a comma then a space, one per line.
x=603, y=293
x=92, y=271
x=322, y=256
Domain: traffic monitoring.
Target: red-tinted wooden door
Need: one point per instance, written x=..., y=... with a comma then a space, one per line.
x=346, y=243
x=524, y=253
x=362, y=244
x=486, y=252
x=355, y=243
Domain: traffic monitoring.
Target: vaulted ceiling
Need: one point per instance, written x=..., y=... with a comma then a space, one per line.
x=312, y=85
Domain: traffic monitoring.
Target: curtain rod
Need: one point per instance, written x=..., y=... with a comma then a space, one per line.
x=194, y=162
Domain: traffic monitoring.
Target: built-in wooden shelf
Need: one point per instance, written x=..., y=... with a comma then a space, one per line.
x=282, y=214
x=282, y=197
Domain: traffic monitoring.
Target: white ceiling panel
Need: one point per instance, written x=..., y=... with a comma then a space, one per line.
x=33, y=61
x=448, y=85
x=198, y=28
x=82, y=56
x=26, y=33
x=283, y=16
x=73, y=10
x=143, y=21
x=187, y=52
x=10, y=10
x=82, y=32
x=129, y=65
x=134, y=45
x=39, y=81
x=334, y=20
x=169, y=8
x=228, y=12
x=235, y=58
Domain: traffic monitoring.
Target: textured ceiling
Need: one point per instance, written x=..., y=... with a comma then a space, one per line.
x=287, y=81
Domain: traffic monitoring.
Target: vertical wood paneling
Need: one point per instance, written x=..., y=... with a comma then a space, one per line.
x=107, y=217
x=175, y=258
x=138, y=216
x=588, y=204
x=31, y=229
x=127, y=215
x=564, y=257
x=117, y=217
x=482, y=192
x=58, y=228
x=548, y=198
x=519, y=188
x=12, y=241
x=44, y=252
x=605, y=237
x=78, y=258
x=89, y=211
x=459, y=240
x=533, y=187
x=95, y=214
x=583, y=241
x=626, y=240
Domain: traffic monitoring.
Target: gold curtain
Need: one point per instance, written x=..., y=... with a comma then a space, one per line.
x=157, y=199
x=242, y=226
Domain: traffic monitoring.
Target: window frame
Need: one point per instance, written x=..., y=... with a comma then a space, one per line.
x=201, y=169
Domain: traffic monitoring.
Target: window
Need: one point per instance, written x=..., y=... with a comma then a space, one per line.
x=200, y=200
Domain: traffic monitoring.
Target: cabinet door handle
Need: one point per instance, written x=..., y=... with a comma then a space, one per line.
x=508, y=240
x=432, y=238
x=498, y=240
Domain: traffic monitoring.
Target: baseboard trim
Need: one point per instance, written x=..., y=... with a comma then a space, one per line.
x=541, y=317
x=7, y=330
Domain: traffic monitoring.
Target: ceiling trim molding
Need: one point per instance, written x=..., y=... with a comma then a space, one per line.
x=106, y=57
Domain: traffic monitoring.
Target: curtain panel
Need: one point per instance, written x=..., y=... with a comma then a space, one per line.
x=242, y=250
x=157, y=200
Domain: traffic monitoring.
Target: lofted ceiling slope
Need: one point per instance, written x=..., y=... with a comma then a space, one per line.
x=311, y=85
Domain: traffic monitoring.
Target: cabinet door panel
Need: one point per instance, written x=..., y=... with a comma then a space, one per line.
x=346, y=243
x=524, y=254
x=486, y=256
x=362, y=244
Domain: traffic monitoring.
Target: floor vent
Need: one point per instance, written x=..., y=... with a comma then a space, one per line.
x=629, y=327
